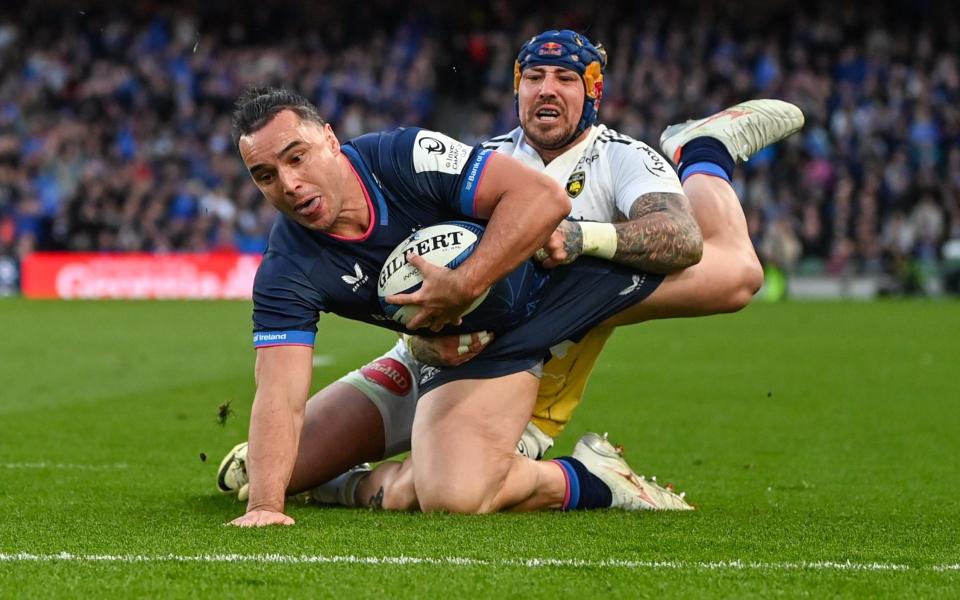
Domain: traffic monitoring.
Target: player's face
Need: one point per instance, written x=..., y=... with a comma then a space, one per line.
x=295, y=164
x=551, y=102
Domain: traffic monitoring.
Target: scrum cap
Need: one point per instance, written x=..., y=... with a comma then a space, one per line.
x=570, y=50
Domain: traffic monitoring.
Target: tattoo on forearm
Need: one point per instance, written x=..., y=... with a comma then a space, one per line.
x=661, y=236
x=572, y=242
x=376, y=500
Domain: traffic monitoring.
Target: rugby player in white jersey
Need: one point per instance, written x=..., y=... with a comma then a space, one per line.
x=628, y=206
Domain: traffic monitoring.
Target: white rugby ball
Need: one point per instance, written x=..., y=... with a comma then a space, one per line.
x=445, y=244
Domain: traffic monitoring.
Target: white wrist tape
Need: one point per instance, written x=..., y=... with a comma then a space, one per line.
x=599, y=239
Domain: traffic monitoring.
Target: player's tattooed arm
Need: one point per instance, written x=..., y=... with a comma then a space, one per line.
x=572, y=239
x=661, y=234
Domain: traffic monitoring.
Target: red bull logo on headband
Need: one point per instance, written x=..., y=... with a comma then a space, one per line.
x=550, y=49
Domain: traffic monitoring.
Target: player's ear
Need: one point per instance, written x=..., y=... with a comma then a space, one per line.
x=330, y=138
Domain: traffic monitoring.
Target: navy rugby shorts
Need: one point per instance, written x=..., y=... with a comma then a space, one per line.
x=577, y=298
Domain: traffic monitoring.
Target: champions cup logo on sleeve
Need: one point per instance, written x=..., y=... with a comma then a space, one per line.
x=434, y=151
x=432, y=145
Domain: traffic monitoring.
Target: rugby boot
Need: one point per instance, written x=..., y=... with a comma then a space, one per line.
x=744, y=129
x=232, y=475
x=629, y=490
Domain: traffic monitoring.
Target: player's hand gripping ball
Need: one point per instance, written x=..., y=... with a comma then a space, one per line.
x=446, y=245
x=506, y=303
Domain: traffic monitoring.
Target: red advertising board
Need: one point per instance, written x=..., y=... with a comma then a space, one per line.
x=138, y=276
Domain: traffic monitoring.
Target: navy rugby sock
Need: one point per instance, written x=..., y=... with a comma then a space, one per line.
x=584, y=489
x=708, y=156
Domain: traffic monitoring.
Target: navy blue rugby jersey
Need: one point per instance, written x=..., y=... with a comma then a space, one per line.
x=412, y=178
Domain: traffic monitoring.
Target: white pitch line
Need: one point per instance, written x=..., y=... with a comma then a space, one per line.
x=453, y=561
x=66, y=466
x=946, y=567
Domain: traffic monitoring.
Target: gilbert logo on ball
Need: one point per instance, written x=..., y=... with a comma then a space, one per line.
x=446, y=245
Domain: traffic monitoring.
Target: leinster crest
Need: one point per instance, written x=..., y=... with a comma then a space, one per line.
x=575, y=184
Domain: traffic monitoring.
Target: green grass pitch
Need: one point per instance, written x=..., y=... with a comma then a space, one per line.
x=819, y=441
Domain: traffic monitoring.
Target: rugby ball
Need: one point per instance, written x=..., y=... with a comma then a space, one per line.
x=445, y=244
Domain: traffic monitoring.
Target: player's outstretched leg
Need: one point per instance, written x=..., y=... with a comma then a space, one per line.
x=706, y=151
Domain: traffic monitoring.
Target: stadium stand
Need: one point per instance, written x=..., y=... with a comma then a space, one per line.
x=114, y=121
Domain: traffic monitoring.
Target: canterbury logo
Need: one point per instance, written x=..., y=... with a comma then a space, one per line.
x=637, y=282
x=355, y=280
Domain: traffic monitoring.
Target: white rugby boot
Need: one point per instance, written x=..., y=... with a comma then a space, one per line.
x=533, y=442
x=744, y=128
x=629, y=490
x=232, y=475
x=342, y=489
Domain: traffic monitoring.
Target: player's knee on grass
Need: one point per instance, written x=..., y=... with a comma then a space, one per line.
x=466, y=489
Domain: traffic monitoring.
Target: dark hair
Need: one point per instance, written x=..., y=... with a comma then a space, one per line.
x=258, y=105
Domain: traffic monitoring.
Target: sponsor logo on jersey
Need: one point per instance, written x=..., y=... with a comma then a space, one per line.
x=355, y=280
x=283, y=338
x=390, y=374
x=269, y=337
x=587, y=160
x=656, y=165
x=422, y=248
x=474, y=170
x=434, y=151
x=575, y=184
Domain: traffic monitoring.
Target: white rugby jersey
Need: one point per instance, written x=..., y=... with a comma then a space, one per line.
x=603, y=175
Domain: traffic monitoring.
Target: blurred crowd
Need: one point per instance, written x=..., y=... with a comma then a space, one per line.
x=115, y=121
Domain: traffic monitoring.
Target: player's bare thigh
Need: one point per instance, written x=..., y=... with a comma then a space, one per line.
x=728, y=274
x=342, y=427
x=721, y=282
x=464, y=440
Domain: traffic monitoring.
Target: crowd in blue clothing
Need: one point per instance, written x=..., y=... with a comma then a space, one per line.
x=114, y=122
